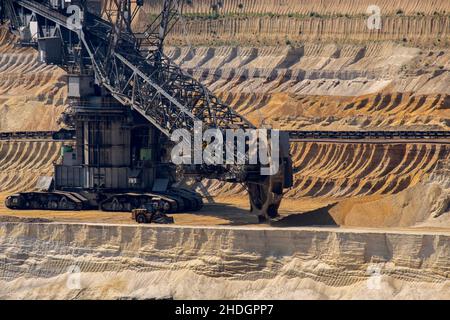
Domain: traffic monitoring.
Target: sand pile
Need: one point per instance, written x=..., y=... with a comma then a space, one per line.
x=214, y=263
x=425, y=205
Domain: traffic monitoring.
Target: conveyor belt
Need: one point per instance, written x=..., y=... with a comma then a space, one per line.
x=294, y=135
x=38, y=135
x=351, y=135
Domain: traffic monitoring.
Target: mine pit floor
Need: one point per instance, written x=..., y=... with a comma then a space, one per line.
x=224, y=212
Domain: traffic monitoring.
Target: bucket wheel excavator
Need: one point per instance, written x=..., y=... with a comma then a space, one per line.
x=127, y=98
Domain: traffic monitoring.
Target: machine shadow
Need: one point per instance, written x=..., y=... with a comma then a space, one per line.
x=237, y=216
x=320, y=217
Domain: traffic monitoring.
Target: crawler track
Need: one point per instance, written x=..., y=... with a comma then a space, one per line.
x=175, y=200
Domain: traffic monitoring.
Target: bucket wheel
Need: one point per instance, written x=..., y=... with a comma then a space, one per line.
x=265, y=198
x=266, y=192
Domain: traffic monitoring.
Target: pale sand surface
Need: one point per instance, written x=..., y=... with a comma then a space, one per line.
x=117, y=261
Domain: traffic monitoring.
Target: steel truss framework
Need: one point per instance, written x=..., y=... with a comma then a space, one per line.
x=133, y=67
x=151, y=84
x=135, y=71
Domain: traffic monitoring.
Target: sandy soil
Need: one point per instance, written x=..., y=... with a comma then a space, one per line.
x=328, y=86
x=279, y=22
x=91, y=261
x=234, y=211
x=354, y=206
x=225, y=211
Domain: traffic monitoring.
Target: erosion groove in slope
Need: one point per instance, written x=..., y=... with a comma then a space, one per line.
x=354, y=169
x=257, y=31
x=161, y=262
x=328, y=87
x=307, y=61
x=305, y=7
x=23, y=162
x=373, y=169
x=381, y=111
x=350, y=69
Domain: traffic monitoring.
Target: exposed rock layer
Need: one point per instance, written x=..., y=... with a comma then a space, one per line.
x=271, y=22
x=328, y=87
x=305, y=7
x=215, y=263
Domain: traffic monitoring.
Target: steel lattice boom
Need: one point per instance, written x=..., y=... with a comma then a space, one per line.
x=131, y=65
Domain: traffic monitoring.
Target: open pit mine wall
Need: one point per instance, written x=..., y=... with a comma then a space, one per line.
x=32, y=94
x=322, y=169
x=305, y=7
x=310, y=86
x=327, y=86
x=38, y=261
x=353, y=169
x=275, y=22
x=22, y=162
